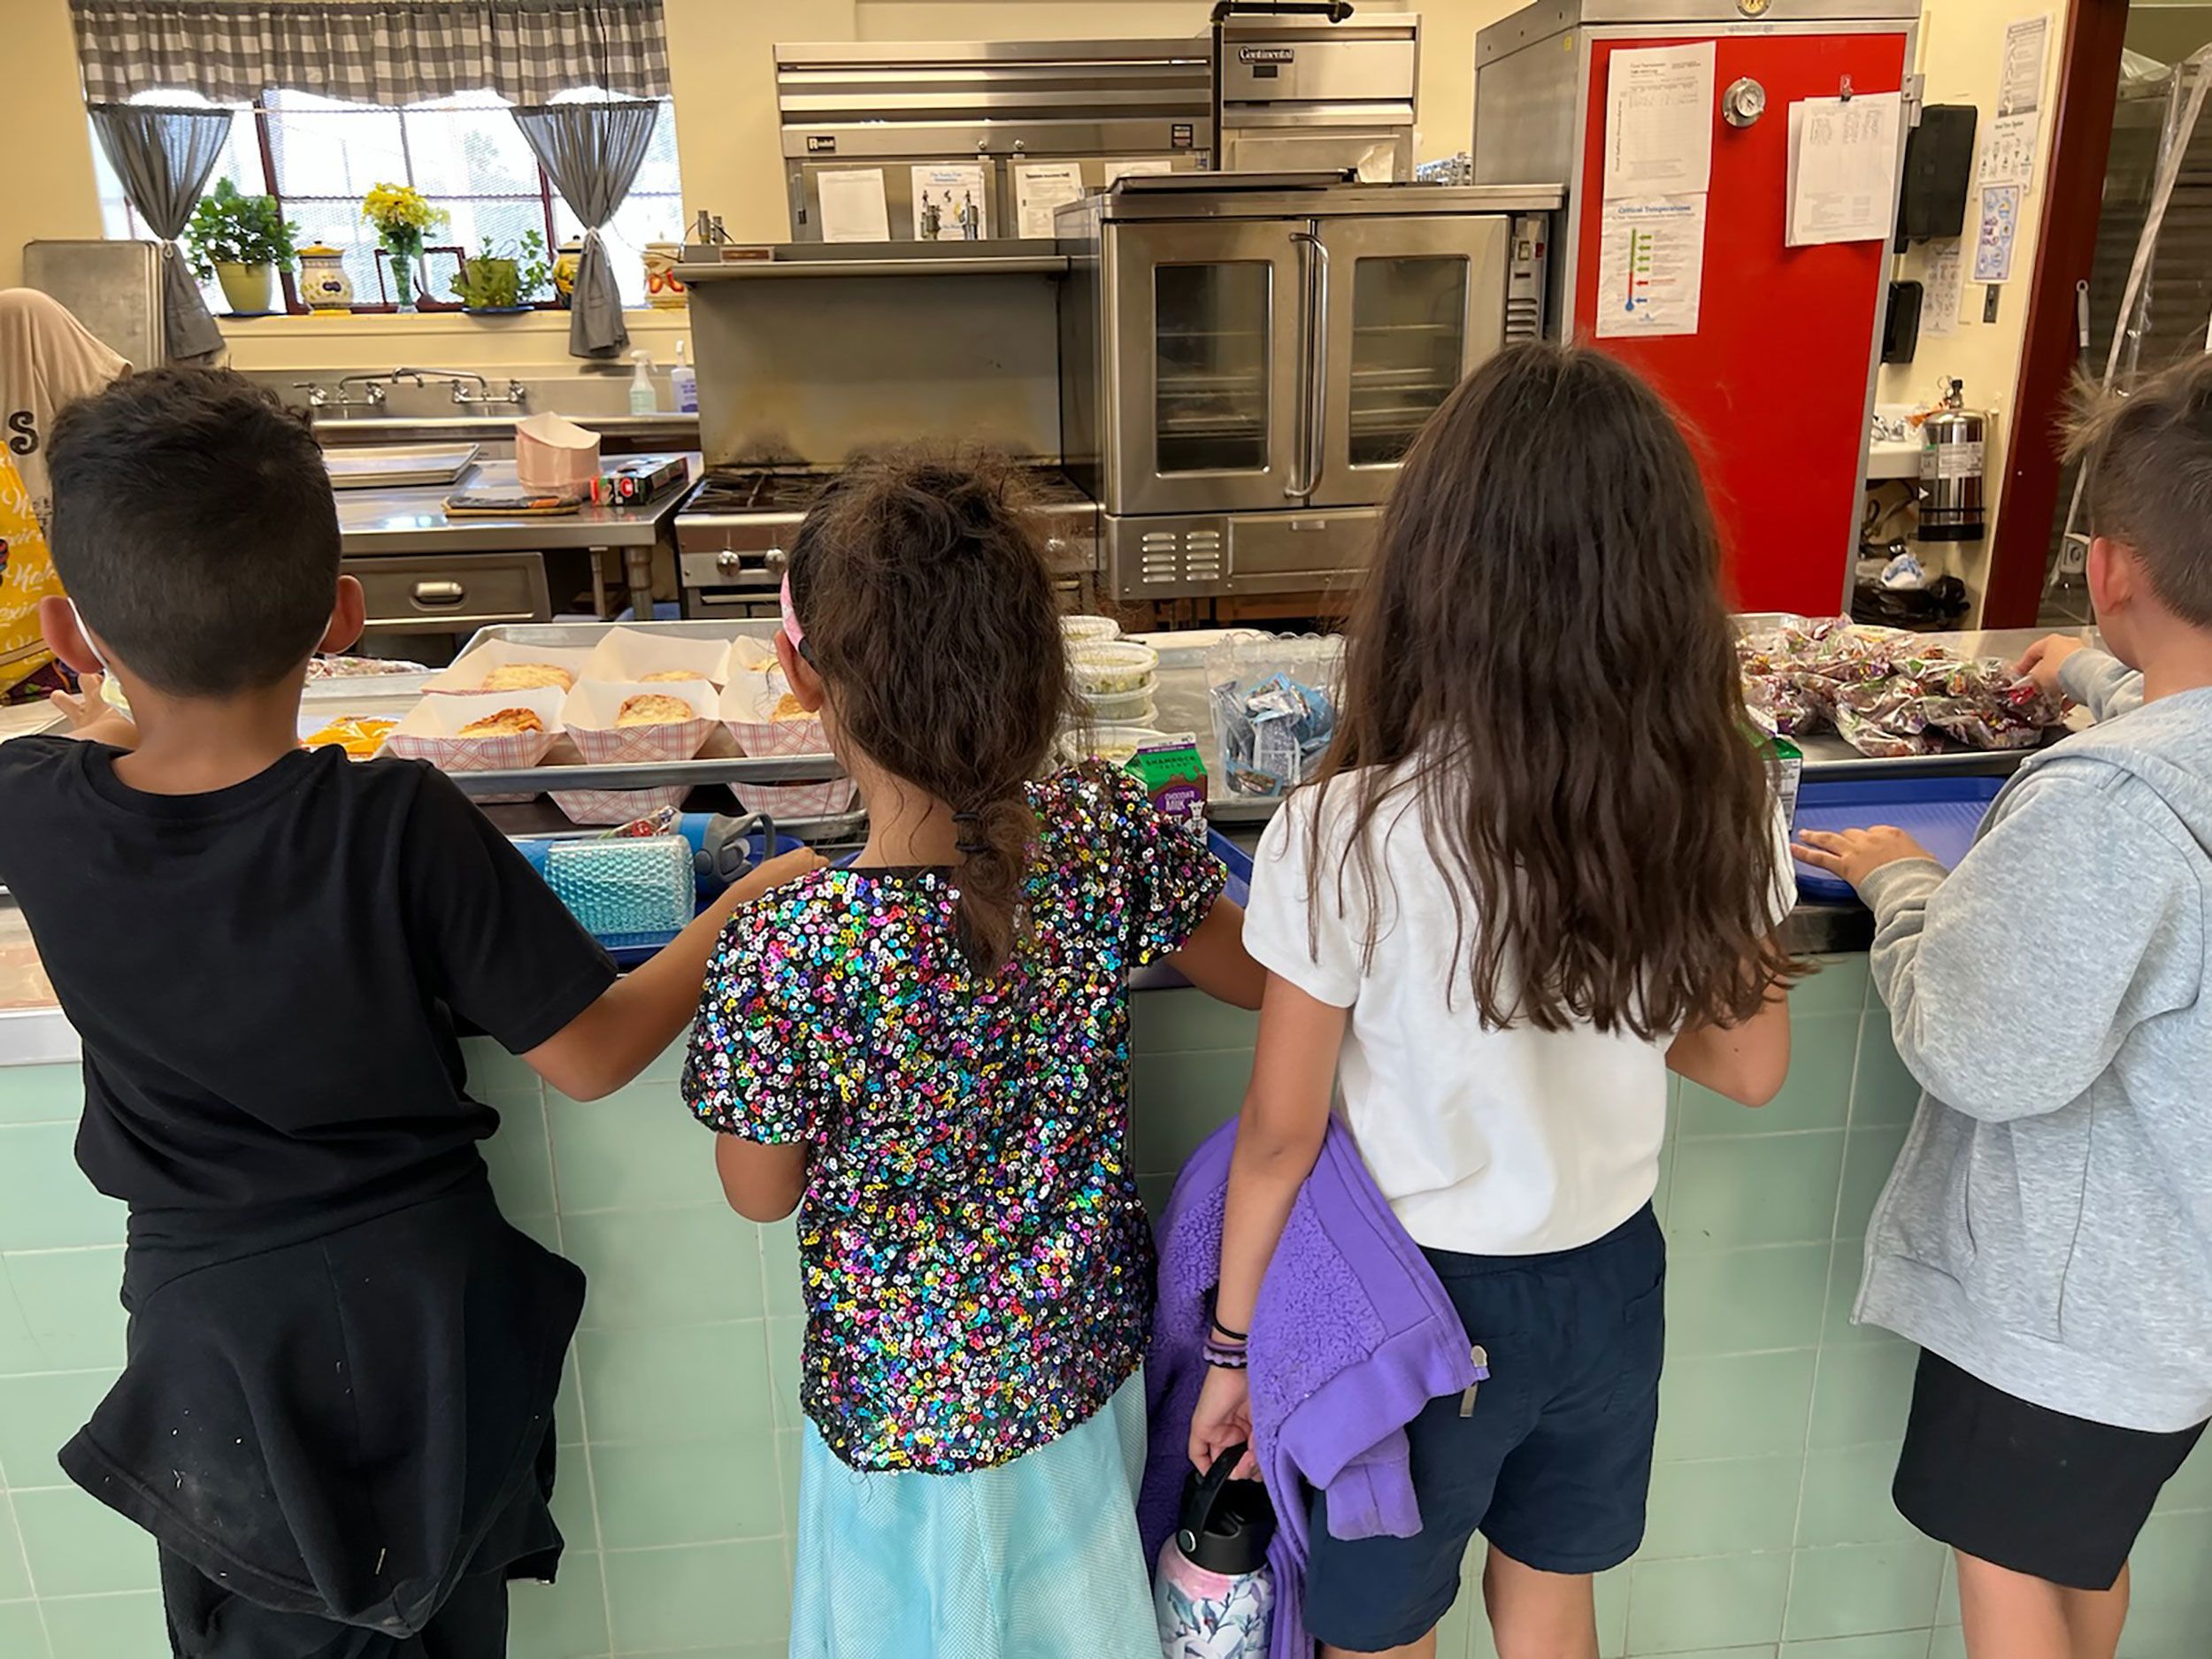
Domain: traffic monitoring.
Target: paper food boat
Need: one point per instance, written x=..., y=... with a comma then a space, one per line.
x=749, y=702
x=467, y=672
x=592, y=738
x=790, y=803
x=631, y=653
x=431, y=731
x=555, y=455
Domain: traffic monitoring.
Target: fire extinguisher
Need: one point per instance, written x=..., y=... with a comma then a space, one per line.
x=1954, y=442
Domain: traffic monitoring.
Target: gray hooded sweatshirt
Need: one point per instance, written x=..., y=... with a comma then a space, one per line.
x=2048, y=1226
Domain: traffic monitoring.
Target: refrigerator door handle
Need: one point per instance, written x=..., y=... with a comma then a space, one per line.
x=1313, y=366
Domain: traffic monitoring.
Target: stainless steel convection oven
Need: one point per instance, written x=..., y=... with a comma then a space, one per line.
x=1245, y=359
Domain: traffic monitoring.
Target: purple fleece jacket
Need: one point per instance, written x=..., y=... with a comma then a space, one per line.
x=1352, y=1336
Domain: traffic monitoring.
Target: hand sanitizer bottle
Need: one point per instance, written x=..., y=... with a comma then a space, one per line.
x=643, y=399
x=683, y=381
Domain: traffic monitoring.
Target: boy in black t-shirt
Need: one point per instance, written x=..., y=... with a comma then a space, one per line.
x=336, y=1415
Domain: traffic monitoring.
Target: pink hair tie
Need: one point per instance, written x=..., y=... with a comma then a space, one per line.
x=791, y=628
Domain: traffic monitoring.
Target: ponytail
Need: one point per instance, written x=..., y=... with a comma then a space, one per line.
x=996, y=836
x=926, y=599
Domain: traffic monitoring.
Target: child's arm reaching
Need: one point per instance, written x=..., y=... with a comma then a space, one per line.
x=1279, y=1136
x=91, y=721
x=641, y=1014
x=1214, y=958
x=2061, y=665
x=1747, y=1063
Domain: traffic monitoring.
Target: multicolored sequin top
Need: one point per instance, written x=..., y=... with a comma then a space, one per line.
x=977, y=1268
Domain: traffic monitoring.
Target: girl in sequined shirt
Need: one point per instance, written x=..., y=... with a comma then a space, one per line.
x=926, y=1053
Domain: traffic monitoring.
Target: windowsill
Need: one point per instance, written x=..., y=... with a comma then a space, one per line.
x=373, y=325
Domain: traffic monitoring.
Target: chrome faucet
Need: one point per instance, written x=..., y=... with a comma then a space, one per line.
x=319, y=395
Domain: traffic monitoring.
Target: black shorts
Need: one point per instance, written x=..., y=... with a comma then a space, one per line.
x=1554, y=1463
x=2056, y=1497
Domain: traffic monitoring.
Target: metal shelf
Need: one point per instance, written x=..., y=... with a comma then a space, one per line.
x=771, y=270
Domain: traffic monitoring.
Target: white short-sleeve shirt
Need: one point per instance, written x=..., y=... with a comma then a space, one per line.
x=1493, y=1142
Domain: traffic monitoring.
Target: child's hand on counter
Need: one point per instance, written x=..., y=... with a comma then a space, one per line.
x=92, y=718
x=1856, y=854
x=2045, y=659
x=784, y=867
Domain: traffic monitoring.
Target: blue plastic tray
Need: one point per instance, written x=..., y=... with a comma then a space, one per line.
x=1942, y=814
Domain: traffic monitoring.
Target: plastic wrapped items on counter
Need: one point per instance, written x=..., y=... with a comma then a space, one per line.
x=1274, y=703
x=1888, y=693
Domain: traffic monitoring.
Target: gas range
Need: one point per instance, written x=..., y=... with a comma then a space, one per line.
x=734, y=535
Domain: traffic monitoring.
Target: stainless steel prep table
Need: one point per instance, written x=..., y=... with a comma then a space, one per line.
x=412, y=528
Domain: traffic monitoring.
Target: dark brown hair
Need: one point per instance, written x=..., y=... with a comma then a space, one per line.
x=1541, y=660
x=193, y=525
x=2147, y=472
x=927, y=605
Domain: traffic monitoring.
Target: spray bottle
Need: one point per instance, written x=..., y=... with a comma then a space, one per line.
x=643, y=399
x=683, y=381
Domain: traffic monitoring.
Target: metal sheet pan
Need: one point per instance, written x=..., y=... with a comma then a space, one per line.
x=400, y=467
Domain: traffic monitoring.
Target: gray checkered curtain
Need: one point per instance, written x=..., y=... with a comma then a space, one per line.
x=162, y=156
x=385, y=54
x=592, y=152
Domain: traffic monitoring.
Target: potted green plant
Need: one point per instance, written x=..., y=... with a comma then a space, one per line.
x=243, y=241
x=501, y=278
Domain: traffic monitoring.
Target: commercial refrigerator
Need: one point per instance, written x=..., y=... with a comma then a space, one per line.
x=1245, y=359
x=1777, y=379
x=1031, y=121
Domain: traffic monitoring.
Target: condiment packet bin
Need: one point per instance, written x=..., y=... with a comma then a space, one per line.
x=467, y=671
x=431, y=731
x=631, y=653
x=588, y=716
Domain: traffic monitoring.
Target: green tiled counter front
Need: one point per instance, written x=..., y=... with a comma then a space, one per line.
x=1772, y=1531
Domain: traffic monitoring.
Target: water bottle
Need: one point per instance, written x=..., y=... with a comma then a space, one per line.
x=1213, y=1596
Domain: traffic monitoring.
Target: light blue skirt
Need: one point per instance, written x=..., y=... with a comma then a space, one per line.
x=1035, y=1559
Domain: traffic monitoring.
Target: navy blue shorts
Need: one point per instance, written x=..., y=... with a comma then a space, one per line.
x=1553, y=1464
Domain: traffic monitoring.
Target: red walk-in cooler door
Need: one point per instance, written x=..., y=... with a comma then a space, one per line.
x=1773, y=384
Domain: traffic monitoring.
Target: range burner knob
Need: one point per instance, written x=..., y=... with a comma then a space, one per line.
x=729, y=559
x=776, y=560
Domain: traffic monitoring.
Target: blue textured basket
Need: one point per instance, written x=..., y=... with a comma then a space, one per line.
x=1942, y=814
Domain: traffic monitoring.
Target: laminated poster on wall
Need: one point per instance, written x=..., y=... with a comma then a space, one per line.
x=1998, y=224
x=1940, y=303
x=1137, y=167
x=1659, y=121
x=2020, y=71
x=1651, y=265
x=853, y=205
x=950, y=203
x=2008, y=150
x=1039, y=187
x=1843, y=168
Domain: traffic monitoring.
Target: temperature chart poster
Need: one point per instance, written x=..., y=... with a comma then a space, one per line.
x=1651, y=265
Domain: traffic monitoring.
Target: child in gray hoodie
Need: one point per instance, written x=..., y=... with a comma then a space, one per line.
x=2047, y=1235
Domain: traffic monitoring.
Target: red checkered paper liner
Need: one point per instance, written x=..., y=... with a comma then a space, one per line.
x=757, y=685
x=589, y=716
x=786, y=802
x=431, y=731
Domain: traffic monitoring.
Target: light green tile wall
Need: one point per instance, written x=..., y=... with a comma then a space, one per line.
x=1771, y=1533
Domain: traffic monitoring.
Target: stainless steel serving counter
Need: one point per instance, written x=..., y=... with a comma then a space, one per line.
x=413, y=524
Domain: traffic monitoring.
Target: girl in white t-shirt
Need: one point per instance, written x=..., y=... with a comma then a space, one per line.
x=1540, y=867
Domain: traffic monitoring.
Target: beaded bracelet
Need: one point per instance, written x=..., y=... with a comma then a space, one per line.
x=1222, y=1358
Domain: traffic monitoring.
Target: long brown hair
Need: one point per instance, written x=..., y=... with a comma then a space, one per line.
x=926, y=601
x=1541, y=660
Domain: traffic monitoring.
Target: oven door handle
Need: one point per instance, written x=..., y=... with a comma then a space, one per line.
x=1313, y=366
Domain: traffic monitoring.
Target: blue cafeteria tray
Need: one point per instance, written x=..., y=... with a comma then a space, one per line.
x=1942, y=814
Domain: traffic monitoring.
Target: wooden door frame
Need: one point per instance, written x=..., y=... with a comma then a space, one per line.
x=2066, y=242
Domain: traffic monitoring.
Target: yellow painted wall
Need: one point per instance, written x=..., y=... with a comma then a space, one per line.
x=46, y=186
x=1961, y=44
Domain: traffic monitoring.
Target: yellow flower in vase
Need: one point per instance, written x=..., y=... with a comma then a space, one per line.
x=400, y=214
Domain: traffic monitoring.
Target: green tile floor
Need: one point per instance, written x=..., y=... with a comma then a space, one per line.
x=1772, y=1531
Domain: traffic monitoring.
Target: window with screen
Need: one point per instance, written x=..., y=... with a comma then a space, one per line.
x=318, y=158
